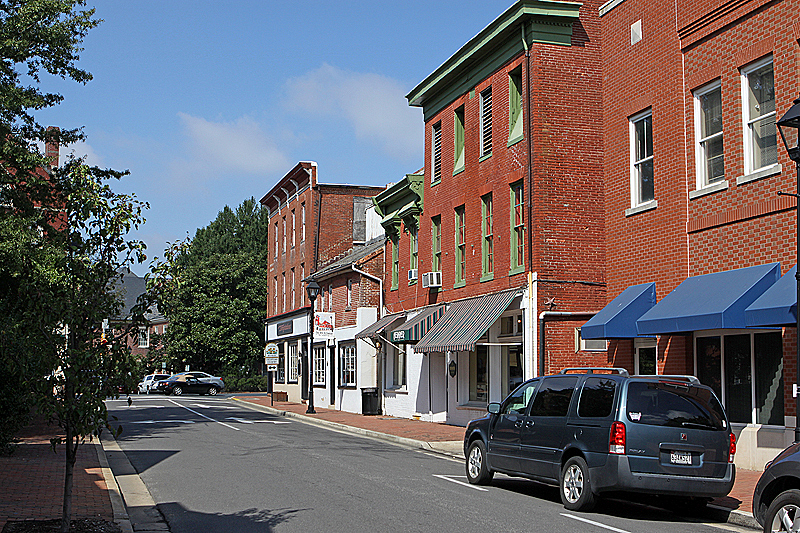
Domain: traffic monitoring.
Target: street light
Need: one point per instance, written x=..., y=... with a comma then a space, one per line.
x=312, y=289
x=789, y=127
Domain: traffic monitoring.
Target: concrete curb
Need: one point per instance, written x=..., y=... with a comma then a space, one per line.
x=739, y=518
x=117, y=503
x=450, y=448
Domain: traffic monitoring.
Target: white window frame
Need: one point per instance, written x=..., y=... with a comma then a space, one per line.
x=319, y=364
x=293, y=360
x=293, y=291
x=348, y=362
x=638, y=344
x=349, y=293
x=596, y=345
x=284, y=234
x=302, y=222
x=486, y=122
x=636, y=182
x=294, y=229
x=701, y=157
x=283, y=275
x=749, y=170
x=144, y=338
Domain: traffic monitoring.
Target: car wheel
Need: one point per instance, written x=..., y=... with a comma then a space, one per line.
x=576, y=488
x=177, y=391
x=783, y=513
x=212, y=391
x=478, y=472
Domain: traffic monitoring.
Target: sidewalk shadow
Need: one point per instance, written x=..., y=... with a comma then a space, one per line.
x=246, y=521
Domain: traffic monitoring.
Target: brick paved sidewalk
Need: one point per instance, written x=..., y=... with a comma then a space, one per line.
x=32, y=486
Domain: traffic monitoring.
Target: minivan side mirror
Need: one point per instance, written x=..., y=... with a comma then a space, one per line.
x=493, y=407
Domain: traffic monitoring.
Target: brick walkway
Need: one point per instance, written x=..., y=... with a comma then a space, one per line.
x=32, y=482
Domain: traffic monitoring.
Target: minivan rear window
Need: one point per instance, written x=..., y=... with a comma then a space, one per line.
x=674, y=404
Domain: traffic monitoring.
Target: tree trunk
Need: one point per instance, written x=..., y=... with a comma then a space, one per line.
x=71, y=453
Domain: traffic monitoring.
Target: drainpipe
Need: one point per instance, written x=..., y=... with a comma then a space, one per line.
x=529, y=142
x=554, y=314
x=378, y=358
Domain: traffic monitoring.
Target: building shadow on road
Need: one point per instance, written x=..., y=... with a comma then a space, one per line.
x=181, y=519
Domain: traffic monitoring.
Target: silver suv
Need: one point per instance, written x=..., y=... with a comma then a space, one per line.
x=594, y=431
x=149, y=382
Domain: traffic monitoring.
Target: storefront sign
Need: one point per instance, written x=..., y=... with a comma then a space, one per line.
x=284, y=328
x=399, y=335
x=323, y=325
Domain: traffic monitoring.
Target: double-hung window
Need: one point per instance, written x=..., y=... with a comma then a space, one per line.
x=144, y=338
x=293, y=363
x=293, y=292
x=294, y=229
x=436, y=152
x=319, y=365
x=277, y=250
x=641, y=133
x=347, y=364
x=486, y=122
x=284, y=234
x=708, y=135
x=461, y=246
x=760, y=134
x=458, y=140
x=436, y=243
x=302, y=222
x=487, y=250
x=515, y=123
x=395, y=240
x=517, y=227
x=414, y=257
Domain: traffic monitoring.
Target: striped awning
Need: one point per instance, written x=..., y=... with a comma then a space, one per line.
x=465, y=322
x=416, y=328
x=382, y=324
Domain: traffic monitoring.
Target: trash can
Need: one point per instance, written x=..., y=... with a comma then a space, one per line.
x=370, y=401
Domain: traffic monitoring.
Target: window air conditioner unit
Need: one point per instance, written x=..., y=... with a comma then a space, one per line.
x=431, y=280
x=412, y=274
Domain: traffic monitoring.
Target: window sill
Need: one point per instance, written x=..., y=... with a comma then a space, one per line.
x=516, y=270
x=398, y=390
x=435, y=183
x=473, y=406
x=709, y=189
x=515, y=140
x=412, y=282
x=485, y=157
x=459, y=284
x=487, y=277
x=761, y=173
x=652, y=204
x=347, y=387
x=459, y=170
x=394, y=288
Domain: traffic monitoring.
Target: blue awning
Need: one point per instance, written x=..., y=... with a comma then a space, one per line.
x=711, y=301
x=617, y=320
x=777, y=306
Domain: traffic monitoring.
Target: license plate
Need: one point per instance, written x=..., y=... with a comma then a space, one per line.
x=680, y=458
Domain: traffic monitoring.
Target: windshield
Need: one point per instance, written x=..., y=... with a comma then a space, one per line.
x=675, y=405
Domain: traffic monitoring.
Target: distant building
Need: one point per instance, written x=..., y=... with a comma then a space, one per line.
x=129, y=287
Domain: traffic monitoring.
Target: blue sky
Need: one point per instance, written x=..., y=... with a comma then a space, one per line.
x=208, y=103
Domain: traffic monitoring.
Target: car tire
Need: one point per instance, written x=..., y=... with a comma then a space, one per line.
x=177, y=391
x=212, y=391
x=478, y=472
x=785, y=509
x=576, y=487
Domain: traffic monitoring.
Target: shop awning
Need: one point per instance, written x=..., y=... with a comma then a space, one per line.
x=617, y=320
x=465, y=322
x=382, y=324
x=711, y=301
x=777, y=306
x=416, y=328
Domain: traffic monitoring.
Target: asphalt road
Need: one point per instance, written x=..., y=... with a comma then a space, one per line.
x=213, y=465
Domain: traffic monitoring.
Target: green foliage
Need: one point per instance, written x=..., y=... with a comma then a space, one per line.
x=234, y=383
x=214, y=292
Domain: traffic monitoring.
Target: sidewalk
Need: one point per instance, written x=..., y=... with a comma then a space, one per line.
x=736, y=508
x=33, y=477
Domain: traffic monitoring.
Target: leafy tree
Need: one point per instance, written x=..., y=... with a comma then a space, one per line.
x=214, y=291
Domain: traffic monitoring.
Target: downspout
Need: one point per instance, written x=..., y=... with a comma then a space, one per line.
x=527, y=118
x=378, y=357
x=555, y=314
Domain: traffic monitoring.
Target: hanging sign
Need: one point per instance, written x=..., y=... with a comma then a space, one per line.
x=271, y=354
x=323, y=325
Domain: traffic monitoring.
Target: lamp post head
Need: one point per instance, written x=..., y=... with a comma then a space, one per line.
x=789, y=127
x=312, y=289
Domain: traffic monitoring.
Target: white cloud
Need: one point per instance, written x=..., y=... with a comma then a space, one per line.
x=84, y=150
x=375, y=106
x=232, y=146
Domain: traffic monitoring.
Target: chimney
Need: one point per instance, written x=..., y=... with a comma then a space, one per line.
x=51, y=150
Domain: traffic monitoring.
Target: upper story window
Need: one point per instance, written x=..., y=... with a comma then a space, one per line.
x=458, y=141
x=708, y=135
x=515, y=123
x=275, y=296
x=436, y=243
x=283, y=290
x=349, y=293
x=395, y=261
x=486, y=122
x=293, y=292
x=412, y=232
x=277, y=250
x=284, y=234
x=487, y=226
x=461, y=246
x=144, y=338
x=330, y=298
x=758, y=99
x=294, y=229
x=302, y=222
x=641, y=133
x=517, y=227
x=436, y=152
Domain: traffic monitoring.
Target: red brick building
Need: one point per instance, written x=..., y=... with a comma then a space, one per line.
x=501, y=234
x=313, y=224
x=692, y=166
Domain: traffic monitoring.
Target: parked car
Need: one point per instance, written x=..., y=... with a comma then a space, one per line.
x=149, y=381
x=181, y=383
x=776, y=498
x=205, y=378
x=595, y=431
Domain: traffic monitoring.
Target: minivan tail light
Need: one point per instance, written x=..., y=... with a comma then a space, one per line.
x=732, y=448
x=616, y=440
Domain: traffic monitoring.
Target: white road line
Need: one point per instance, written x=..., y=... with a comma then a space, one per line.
x=161, y=421
x=240, y=420
x=204, y=406
x=204, y=416
x=448, y=478
x=598, y=524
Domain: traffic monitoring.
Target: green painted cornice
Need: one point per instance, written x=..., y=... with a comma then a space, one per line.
x=545, y=21
x=400, y=202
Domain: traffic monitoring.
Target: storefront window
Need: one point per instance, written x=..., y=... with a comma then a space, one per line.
x=280, y=376
x=512, y=369
x=293, y=364
x=769, y=378
x=479, y=374
x=399, y=369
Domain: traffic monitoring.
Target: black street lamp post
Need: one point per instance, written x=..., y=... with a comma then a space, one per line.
x=312, y=289
x=789, y=127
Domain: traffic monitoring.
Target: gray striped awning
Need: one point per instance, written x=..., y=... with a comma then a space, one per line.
x=465, y=322
x=415, y=328
x=378, y=327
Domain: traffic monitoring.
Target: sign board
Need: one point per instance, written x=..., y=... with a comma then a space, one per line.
x=272, y=368
x=271, y=353
x=399, y=335
x=285, y=328
x=323, y=325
